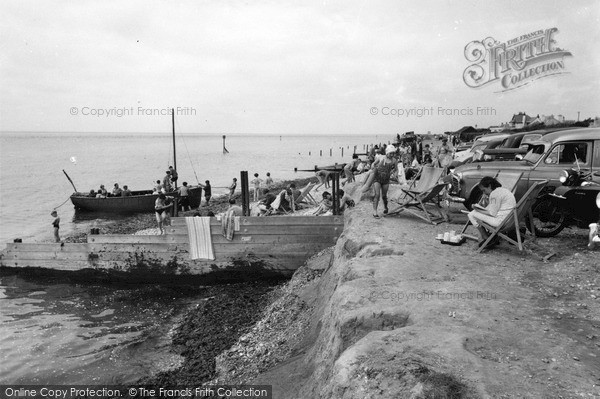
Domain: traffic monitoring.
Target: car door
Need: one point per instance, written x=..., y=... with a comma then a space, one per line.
x=562, y=156
x=596, y=162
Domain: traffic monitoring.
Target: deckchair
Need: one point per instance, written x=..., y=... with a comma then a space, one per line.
x=417, y=204
x=427, y=177
x=509, y=180
x=513, y=219
x=426, y=192
x=306, y=196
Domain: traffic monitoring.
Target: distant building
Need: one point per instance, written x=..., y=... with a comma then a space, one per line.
x=550, y=120
x=520, y=120
x=499, y=128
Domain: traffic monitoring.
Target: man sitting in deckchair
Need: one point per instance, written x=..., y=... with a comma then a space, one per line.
x=501, y=203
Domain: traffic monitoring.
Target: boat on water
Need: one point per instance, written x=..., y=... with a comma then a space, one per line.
x=138, y=202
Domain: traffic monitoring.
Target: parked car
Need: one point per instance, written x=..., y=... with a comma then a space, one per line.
x=546, y=159
x=465, y=156
x=512, y=148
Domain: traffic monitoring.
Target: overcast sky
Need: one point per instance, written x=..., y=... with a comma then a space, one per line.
x=280, y=67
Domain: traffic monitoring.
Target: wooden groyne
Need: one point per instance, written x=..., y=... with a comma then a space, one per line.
x=279, y=243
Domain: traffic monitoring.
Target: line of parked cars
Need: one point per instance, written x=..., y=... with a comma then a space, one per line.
x=568, y=159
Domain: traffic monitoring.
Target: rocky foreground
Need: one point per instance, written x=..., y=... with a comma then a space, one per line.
x=391, y=312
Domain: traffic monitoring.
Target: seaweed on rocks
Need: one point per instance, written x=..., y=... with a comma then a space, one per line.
x=210, y=327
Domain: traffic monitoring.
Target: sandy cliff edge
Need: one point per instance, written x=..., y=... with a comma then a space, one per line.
x=397, y=314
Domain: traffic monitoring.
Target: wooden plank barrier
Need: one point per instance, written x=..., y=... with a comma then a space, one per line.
x=281, y=243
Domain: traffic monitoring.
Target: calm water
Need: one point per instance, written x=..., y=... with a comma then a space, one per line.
x=32, y=182
x=83, y=334
x=67, y=333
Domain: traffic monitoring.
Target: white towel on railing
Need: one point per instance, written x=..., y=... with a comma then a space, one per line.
x=200, y=239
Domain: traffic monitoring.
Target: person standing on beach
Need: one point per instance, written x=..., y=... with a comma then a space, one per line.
x=174, y=175
x=256, y=183
x=160, y=209
x=268, y=181
x=232, y=187
x=56, y=225
x=184, y=195
x=383, y=169
x=166, y=182
x=207, y=191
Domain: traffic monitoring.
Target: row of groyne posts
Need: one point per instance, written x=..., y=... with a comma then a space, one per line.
x=366, y=148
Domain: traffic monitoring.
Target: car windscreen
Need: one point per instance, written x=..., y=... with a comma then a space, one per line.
x=535, y=153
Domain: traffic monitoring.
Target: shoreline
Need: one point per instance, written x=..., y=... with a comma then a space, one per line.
x=228, y=306
x=143, y=221
x=350, y=321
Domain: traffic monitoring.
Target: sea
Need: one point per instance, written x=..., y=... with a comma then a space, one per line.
x=64, y=333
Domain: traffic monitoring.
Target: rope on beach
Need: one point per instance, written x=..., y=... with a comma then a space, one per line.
x=68, y=198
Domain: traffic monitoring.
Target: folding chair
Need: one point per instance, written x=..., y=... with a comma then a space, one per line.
x=306, y=196
x=420, y=199
x=428, y=177
x=514, y=218
x=509, y=180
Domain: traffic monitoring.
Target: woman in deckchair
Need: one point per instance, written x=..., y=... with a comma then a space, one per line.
x=325, y=205
x=501, y=202
x=383, y=168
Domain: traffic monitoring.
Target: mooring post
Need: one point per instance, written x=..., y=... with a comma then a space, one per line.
x=335, y=189
x=330, y=151
x=342, y=152
x=245, y=193
x=224, y=148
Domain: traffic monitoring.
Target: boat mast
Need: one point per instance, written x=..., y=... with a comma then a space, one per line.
x=174, y=152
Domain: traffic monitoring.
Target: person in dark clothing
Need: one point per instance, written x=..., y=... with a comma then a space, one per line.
x=56, y=225
x=207, y=191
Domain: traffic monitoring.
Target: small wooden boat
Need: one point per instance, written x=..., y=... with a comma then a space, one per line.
x=139, y=201
x=278, y=244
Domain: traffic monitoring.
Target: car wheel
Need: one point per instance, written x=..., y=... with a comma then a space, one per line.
x=548, y=218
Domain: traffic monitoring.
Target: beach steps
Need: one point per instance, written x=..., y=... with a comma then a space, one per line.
x=278, y=243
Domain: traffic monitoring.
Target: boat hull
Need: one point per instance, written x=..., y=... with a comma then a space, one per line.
x=277, y=244
x=141, y=201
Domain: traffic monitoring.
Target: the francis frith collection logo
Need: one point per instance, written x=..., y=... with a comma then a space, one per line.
x=515, y=63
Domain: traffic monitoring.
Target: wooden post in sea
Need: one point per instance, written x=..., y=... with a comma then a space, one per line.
x=224, y=148
x=245, y=193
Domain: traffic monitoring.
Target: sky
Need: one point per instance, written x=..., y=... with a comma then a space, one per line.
x=281, y=67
